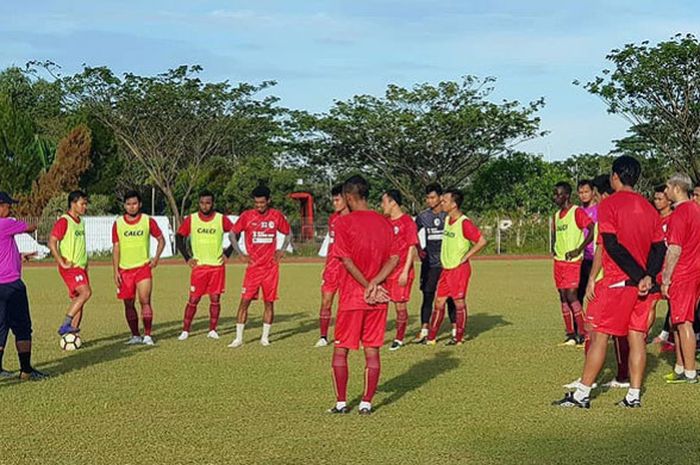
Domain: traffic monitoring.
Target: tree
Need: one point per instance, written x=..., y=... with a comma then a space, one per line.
x=72, y=160
x=172, y=123
x=411, y=137
x=657, y=89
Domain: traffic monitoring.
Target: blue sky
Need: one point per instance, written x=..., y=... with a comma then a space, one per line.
x=319, y=51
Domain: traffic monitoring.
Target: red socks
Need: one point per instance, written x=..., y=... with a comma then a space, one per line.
x=340, y=374
x=401, y=323
x=147, y=315
x=214, y=312
x=461, y=320
x=372, y=371
x=568, y=318
x=190, y=310
x=436, y=321
x=578, y=317
x=325, y=321
x=132, y=318
x=622, y=356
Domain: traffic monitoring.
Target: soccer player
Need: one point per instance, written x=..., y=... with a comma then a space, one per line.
x=260, y=226
x=14, y=305
x=663, y=206
x=569, y=242
x=331, y=271
x=587, y=198
x=206, y=230
x=68, y=247
x=400, y=281
x=369, y=251
x=632, y=255
x=681, y=276
x=132, y=265
x=461, y=241
x=432, y=220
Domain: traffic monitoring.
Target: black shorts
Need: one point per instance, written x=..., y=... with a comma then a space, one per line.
x=14, y=310
x=429, y=277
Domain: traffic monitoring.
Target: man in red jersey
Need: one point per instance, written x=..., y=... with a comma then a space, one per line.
x=369, y=251
x=205, y=257
x=260, y=226
x=331, y=272
x=681, y=276
x=632, y=255
x=665, y=208
x=132, y=265
x=400, y=281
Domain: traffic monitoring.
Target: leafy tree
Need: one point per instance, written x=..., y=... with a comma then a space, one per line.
x=172, y=123
x=657, y=89
x=411, y=137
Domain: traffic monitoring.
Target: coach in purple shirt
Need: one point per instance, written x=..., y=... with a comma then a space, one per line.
x=14, y=305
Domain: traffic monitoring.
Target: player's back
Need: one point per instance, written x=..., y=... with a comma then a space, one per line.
x=370, y=237
x=636, y=224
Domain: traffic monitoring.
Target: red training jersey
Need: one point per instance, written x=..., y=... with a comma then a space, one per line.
x=406, y=232
x=61, y=226
x=332, y=221
x=684, y=231
x=469, y=230
x=152, y=226
x=261, y=233
x=367, y=238
x=185, y=228
x=637, y=225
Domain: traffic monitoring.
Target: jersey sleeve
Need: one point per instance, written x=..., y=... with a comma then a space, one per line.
x=283, y=224
x=154, y=228
x=59, y=228
x=470, y=231
x=411, y=234
x=341, y=243
x=606, y=219
x=185, y=228
x=241, y=223
x=582, y=219
x=227, y=224
x=676, y=229
x=115, y=236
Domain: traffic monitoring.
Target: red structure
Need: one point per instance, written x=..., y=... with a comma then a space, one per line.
x=306, y=204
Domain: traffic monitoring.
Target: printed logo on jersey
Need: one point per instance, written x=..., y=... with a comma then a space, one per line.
x=396, y=230
x=133, y=233
x=436, y=221
x=206, y=230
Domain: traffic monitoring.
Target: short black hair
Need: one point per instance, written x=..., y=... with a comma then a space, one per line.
x=602, y=184
x=207, y=193
x=394, y=195
x=337, y=190
x=433, y=187
x=457, y=196
x=565, y=186
x=356, y=185
x=261, y=191
x=660, y=189
x=132, y=194
x=584, y=182
x=627, y=169
x=697, y=184
x=75, y=196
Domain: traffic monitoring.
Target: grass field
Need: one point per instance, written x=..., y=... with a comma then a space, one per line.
x=198, y=402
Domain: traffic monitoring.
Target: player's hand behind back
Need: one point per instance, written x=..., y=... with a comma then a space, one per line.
x=192, y=262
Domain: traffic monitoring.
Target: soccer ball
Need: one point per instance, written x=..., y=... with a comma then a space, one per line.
x=71, y=341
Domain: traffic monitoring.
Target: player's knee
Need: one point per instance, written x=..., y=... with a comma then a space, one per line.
x=84, y=293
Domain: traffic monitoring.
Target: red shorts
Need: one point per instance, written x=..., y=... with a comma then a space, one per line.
x=567, y=274
x=258, y=277
x=617, y=311
x=74, y=278
x=399, y=293
x=130, y=278
x=207, y=280
x=330, y=280
x=683, y=298
x=353, y=327
x=455, y=282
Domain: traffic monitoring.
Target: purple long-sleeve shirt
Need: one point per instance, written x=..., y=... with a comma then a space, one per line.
x=10, y=258
x=592, y=213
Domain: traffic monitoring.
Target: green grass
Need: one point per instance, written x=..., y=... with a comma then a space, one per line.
x=199, y=402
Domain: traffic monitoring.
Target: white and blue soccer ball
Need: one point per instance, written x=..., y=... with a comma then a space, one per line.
x=71, y=341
